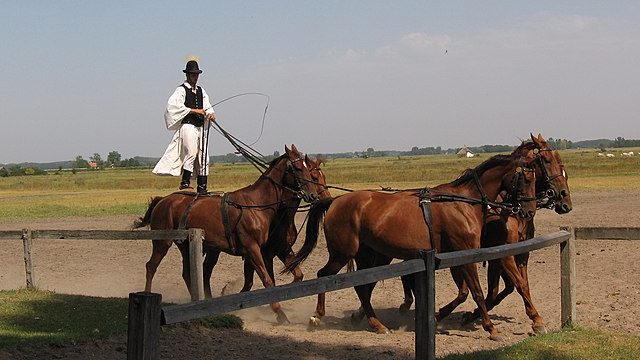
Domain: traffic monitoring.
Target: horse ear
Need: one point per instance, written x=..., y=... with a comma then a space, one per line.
x=540, y=138
x=293, y=148
x=286, y=150
x=533, y=138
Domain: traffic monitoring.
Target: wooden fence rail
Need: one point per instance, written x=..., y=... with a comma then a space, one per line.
x=194, y=236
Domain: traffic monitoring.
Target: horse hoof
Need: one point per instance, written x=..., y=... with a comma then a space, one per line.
x=383, y=331
x=404, y=309
x=357, y=317
x=495, y=337
x=314, y=322
x=283, y=320
x=539, y=330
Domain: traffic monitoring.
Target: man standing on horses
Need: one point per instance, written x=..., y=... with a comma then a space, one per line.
x=189, y=113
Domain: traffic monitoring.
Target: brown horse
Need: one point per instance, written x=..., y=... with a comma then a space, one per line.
x=252, y=212
x=286, y=255
x=393, y=226
x=552, y=192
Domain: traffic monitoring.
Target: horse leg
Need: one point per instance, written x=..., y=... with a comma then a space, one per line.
x=297, y=272
x=332, y=267
x=407, y=287
x=210, y=261
x=160, y=248
x=186, y=271
x=538, y=323
x=470, y=274
x=248, y=276
x=463, y=292
x=363, y=259
x=494, y=272
x=255, y=256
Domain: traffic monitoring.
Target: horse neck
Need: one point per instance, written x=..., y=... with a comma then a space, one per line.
x=270, y=185
x=490, y=182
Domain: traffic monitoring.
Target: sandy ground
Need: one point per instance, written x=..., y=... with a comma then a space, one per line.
x=608, y=290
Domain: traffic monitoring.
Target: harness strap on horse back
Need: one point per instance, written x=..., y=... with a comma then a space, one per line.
x=229, y=232
x=185, y=214
x=425, y=204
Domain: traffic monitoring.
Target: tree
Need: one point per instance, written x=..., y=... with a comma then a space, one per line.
x=96, y=158
x=114, y=158
x=79, y=162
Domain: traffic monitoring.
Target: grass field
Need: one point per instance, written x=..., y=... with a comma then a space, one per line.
x=126, y=192
x=32, y=318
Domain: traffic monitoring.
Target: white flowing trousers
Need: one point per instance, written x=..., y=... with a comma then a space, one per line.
x=194, y=149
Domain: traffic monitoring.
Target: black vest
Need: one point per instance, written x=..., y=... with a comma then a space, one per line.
x=193, y=101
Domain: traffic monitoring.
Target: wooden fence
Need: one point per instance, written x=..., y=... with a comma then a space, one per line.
x=146, y=314
x=191, y=235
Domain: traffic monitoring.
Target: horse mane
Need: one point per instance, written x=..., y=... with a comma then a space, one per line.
x=526, y=146
x=467, y=175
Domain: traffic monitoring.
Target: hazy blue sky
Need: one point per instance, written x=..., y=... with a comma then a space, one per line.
x=82, y=77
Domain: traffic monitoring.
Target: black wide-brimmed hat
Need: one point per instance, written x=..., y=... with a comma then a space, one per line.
x=192, y=67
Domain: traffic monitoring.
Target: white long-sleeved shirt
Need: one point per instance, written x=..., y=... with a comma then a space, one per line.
x=176, y=110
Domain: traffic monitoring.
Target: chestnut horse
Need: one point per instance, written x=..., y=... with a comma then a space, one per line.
x=552, y=192
x=286, y=254
x=393, y=226
x=252, y=214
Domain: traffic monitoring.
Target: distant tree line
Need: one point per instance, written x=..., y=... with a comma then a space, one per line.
x=115, y=160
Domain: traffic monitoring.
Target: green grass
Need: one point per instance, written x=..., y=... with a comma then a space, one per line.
x=31, y=317
x=576, y=344
x=127, y=191
x=42, y=317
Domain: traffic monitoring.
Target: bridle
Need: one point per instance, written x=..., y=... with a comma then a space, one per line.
x=548, y=197
x=300, y=184
x=514, y=194
x=512, y=204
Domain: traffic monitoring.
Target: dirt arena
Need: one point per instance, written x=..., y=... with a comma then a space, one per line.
x=608, y=290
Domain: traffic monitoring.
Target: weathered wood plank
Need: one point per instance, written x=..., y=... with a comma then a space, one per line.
x=143, y=334
x=608, y=233
x=198, y=309
x=11, y=235
x=568, y=280
x=425, y=283
x=195, y=264
x=111, y=234
x=457, y=258
x=28, y=265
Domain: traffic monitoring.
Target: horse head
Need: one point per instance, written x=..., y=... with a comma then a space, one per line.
x=551, y=178
x=297, y=176
x=317, y=176
x=520, y=186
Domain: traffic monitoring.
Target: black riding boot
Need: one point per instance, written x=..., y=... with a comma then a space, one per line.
x=186, y=180
x=202, y=184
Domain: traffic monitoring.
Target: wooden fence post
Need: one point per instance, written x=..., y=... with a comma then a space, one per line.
x=195, y=263
x=568, y=279
x=425, y=293
x=143, y=336
x=27, y=241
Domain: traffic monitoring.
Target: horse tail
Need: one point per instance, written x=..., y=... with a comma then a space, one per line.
x=316, y=213
x=146, y=219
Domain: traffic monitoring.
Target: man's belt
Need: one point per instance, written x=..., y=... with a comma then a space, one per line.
x=195, y=121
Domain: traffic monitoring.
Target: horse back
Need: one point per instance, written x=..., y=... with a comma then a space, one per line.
x=391, y=224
